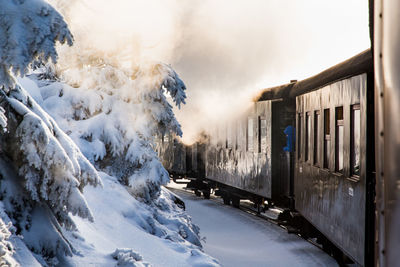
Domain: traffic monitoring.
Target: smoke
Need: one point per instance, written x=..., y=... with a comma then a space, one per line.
x=225, y=51
x=121, y=32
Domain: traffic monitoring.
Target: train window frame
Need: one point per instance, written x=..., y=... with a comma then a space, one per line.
x=339, y=132
x=247, y=134
x=327, y=138
x=308, y=141
x=229, y=136
x=317, y=137
x=236, y=126
x=260, y=136
x=299, y=135
x=353, y=109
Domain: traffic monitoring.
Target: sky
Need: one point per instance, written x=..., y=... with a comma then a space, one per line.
x=229, y=52
x=225, y=51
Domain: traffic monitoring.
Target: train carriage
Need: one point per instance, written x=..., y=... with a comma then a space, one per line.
x=334, y=171
x=245, y=154
x=346, y=127
x=328, y=180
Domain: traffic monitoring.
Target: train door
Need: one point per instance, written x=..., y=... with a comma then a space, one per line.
x=282, y=162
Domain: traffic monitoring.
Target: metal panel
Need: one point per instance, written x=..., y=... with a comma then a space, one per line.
x=237, y=166
x=387, y=65
x=335, y=202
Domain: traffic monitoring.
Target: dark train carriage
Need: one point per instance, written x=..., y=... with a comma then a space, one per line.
x=334, y=171
x=245, y=153
x=172, y=154
x=333, y=180
x=181, y=160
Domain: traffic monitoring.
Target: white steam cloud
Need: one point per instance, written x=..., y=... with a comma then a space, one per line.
x=225, y=51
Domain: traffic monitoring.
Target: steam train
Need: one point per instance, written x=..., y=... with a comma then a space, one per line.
x=325, y=176
x=325, y=149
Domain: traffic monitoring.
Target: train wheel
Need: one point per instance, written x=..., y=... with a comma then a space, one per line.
x=260, y=208
x=206, y=194
x=227, y=200
x=236, y=202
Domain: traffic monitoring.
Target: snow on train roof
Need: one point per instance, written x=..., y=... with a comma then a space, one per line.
x=360, y=63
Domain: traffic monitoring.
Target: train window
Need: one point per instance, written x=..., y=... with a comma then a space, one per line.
x=327, y=137
x=240, y=136
x=262, y=135
x=308, y=136
x=250, y=135
x=221, y=137
x=300, y=124
x=355, y=138
x=339, y=139
x=317, y=134
x=229, y=136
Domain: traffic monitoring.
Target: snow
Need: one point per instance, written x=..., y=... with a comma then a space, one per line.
x=29, y=30
x=237, y=238
x=120, y=225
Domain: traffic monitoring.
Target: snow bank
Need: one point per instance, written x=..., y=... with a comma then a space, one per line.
x=122, y=221
x=129, y=258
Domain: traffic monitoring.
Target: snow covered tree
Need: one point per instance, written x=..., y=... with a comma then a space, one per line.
x=29, y=30
x=113, y=116
x=45, y=172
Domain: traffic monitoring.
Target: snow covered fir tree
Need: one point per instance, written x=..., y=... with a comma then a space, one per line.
x=80, y=182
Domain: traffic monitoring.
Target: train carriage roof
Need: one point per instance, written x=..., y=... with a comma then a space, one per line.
x=361, y=63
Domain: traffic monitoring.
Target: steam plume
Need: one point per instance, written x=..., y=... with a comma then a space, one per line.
x=225, y=51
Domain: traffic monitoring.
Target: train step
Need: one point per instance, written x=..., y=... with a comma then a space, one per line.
x=292, y=230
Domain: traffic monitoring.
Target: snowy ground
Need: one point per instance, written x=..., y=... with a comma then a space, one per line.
x=236, y=238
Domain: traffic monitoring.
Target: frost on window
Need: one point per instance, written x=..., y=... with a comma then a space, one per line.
x=299, y=134
x=250, y=134
x=355, y=139
x=262, y=135
x=327, y=138
x=317, y=134
x=339, y=139
x=308, y=137
x=230, y=135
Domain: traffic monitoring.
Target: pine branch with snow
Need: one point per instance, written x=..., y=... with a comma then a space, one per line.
x=50, y=173
x=29, y=30
x=113, y=116
x=6, y=248
x=53, y=167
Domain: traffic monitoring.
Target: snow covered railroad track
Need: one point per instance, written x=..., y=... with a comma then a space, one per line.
x=238, y=238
